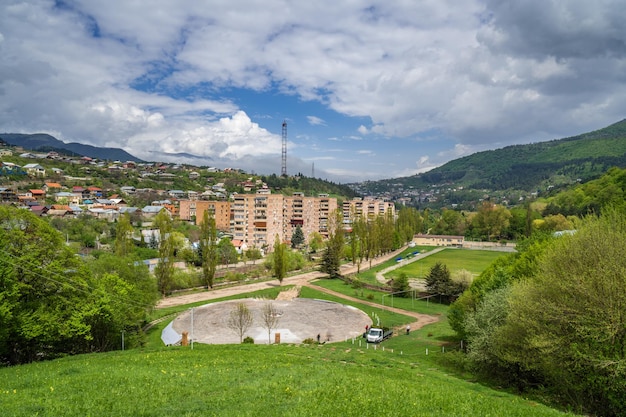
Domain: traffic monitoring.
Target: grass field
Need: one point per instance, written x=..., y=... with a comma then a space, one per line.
x=369, y=276
x=250, y=380
x=474, y=261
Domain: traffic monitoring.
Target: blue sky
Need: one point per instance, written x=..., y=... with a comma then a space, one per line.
x=369, y=89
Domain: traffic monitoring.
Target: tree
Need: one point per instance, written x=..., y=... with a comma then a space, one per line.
x=400, y=285
x=568, y=324
x=409, y=223
x=253, y=254
x=451, y=222
x=315, y=242
x=240, y=320
x=331, y=260
x=208, y=248
x=270, y=317
x=165, y=268
x=53, y=303
x=43, y=291
x=279, y=259
x=491, y=220
x=297, y=239
x=227, y=251
x=438, y=281
x=124, y=236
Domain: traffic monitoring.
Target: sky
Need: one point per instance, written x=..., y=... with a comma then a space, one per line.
x=368, y=89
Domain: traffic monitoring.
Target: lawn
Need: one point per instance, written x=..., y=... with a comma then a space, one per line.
x=369, y=276
x=474, y=261
x=250, y=380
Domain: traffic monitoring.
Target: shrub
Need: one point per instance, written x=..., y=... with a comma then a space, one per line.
x=248, y=340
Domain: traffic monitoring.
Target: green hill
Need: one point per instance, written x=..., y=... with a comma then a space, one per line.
x=250, y=380
x=532, y=166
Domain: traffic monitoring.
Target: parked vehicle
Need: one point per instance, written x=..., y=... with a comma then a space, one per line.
x=378, y=334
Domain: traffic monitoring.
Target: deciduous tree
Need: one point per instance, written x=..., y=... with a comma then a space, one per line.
x=279, y=263
x=240, y=320
x=208, y=248
x=270, y=316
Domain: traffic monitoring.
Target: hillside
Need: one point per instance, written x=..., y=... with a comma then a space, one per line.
x=250, y=380
x=42, y=142
x=528, y=167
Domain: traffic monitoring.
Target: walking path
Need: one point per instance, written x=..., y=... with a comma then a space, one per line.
x=299, y=279
x=380, y=275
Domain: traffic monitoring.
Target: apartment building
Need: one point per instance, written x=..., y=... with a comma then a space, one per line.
x=194, y=210
x=310, y=213
x=258, y=218
x=368, y=208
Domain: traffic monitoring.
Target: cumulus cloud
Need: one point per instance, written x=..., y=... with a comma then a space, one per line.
x=482, y=73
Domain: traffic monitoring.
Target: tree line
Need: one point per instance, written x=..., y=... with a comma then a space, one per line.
x=552, y=316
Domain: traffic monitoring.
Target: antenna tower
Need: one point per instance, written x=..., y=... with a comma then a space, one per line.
x=284, y=168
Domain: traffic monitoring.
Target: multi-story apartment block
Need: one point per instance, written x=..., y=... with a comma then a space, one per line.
x=368, y=208
x=310, y=213
x=256, y=219
x=194, y=210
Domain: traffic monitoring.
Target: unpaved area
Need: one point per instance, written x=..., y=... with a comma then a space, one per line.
x=298, y=319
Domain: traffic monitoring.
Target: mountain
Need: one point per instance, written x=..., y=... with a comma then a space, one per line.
x=528, y=167
x=42, y=142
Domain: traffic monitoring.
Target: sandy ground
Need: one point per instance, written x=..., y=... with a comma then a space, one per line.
x=298, y=319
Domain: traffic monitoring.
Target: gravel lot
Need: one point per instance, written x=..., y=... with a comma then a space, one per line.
x=299, y=319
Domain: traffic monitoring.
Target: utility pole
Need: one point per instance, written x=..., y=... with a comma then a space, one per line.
x=284, y=167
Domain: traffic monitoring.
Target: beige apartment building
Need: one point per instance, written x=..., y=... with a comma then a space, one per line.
x=310, y=213
x=191, y=210
x=368, y=208
x=256, y=219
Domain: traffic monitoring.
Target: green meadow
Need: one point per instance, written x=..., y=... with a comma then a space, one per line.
x=250, y=380
x=474, y=261
x=410, y=375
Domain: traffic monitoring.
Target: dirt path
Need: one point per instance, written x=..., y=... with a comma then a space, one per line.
x=422, y=319
x=299, y=281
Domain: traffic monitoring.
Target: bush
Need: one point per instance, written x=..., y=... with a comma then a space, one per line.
x=248, y=340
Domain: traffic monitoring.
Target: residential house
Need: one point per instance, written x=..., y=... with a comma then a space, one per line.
x=152, y=211
x=52, y=187
x=35, y=170
x=38, y=194
x=68, y=198
x=8, y=195
x=104, y=213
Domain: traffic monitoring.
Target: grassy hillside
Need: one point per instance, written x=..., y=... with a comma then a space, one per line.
x=532, y=166
x=250, y=380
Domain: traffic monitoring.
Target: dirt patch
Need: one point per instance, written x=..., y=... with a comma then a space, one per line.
x=300, y=319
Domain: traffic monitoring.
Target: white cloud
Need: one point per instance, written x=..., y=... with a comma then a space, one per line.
x=316, y=121
x=483, y=73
